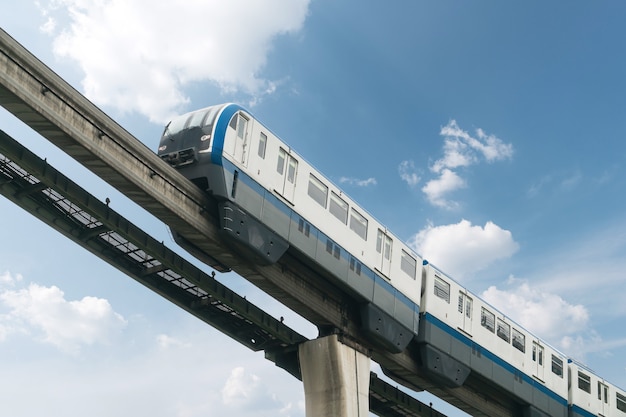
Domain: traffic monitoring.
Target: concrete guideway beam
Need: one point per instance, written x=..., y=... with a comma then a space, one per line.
x=336, y=378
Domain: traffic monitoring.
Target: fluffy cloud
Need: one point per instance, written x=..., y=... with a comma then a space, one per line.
x=546, y=314
x=358, y=182
x=462, y=249
x=138, y=61
x=406, y=169
x=460, y=149
x=68, y=325
x=246, y=391
x=436, y=190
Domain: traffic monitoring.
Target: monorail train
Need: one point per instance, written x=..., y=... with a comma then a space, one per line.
x=270, y=200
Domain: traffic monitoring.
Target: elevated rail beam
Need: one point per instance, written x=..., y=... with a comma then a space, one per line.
x=45, y=102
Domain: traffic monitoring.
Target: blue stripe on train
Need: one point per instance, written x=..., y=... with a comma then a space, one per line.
x=494, y=358
x=220, y=132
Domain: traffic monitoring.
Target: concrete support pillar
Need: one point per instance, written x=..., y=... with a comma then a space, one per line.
x=336, y=379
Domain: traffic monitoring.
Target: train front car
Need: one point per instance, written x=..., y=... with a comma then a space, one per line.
x=268, y=199
x=209, y=147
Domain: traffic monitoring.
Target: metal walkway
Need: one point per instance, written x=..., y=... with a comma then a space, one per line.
x=47, y=194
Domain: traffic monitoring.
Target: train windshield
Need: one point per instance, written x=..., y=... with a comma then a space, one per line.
x=175, y=126
x=198, y=118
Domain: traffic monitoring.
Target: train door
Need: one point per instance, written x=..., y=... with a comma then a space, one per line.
x=538, y=360
x=465, y=310
x=288, y=169
x=383, y=247
x=241, y=139
x=603, y=397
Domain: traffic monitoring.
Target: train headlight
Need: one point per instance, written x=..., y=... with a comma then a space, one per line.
x=205, y=142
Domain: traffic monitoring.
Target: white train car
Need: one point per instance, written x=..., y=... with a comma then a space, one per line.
x=270, y=199
x=460, y=334
x=591, y=396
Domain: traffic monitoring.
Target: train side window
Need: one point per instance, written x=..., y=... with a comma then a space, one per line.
x=318, y=191
x=383, y=244
x=621, y=401
x=333, y=249
x=233, y=122
x=338, y=207
x=603, y=392
x=304, y=227
x=262, y=145
x=242, y=125
x=355, y=265
x=358, y=224
x=442, y=289
x=487, y=319
x=519, y=340
x=557, y=366
x=280, y=166
x=408, y=264
x=584, y=382
x=504, y=331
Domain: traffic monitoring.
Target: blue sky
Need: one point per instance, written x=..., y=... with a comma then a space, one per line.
x=488, y=135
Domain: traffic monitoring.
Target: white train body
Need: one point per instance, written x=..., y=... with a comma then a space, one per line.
x=270, y=200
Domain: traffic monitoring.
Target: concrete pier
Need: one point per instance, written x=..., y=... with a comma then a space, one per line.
x=336, y=379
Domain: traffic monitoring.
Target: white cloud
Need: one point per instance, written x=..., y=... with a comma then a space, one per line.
x=358, y=182
x=68, y=325
x=437, y=189
x=8, y=279
x=141, y=61
x=462, y=249
x=460, y=149
x=406, y=169
x=547, y=315
x=244, y=390
x=166, y=342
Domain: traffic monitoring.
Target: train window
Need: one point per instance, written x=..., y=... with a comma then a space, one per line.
x=355, y=265
x=621, y=401
x=557, y=366
x=233, y=122
x=465, y=301
x=382, y=240
x=488, y=319
x=241, y=126
x=304, y=227
x=519, y=340
x=333, y=249
x=408, y=264
x=280, y=166
x=584, y=382
x=358, y=224
x=504, y=331
x=318, y=191
x=603, y=392
x=442, y=289
x=262, y=145
x=195, y=120
x=537, y=353
x=338, y=207
x=292, y=167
